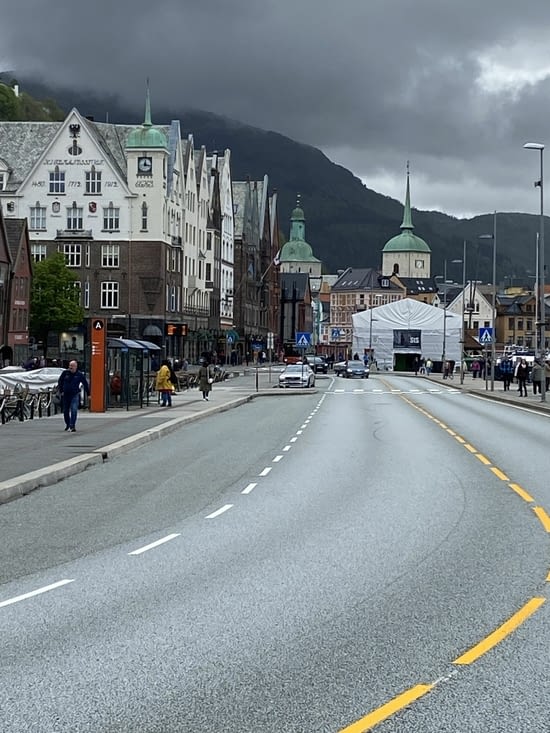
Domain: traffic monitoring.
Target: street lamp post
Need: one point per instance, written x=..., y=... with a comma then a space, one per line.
x=542, y=308
x=463, y=330
x=493, y=236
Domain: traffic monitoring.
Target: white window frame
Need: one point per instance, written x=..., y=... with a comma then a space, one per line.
x=75, y=215
x=86, y=303
x=39, y=251
x=37, y=218
x=93, y=181
x=111, y=218
x=110, y=255
x=73, y=254
x=110, y=293
x=57, y=180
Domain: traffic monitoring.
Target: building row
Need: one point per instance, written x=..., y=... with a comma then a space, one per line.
x=167, y=247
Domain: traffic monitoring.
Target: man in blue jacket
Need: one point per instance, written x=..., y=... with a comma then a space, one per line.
x=69, y=385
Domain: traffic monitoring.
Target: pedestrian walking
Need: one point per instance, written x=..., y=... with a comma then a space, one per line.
x=416, y=365
x=206, y=379
x=163, y=384
x=476, y=368
x=429, y=366
x=522, y=374
x=507, y=371
x=69, y=385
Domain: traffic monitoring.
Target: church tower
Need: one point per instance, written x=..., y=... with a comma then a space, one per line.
x=407, y=255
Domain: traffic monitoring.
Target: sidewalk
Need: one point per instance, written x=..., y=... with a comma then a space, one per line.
x=483, y=389
x=39, y=452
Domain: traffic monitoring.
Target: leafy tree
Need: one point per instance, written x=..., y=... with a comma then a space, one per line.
x=55, y=298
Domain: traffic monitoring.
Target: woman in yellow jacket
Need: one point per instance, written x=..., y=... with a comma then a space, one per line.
x=164, y=385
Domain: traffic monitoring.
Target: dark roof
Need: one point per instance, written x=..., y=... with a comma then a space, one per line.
x=14, y=231
x=419, y=285
x=361, y=278
x=298, y=281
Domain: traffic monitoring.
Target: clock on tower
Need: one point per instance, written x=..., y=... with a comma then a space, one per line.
x=145, y=165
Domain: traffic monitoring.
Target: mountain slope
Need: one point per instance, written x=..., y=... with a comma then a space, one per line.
x=347, y=223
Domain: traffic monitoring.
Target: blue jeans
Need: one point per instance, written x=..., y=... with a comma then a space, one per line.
x=70, y=409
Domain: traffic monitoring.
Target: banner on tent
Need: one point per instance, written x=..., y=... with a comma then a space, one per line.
x=409, y=339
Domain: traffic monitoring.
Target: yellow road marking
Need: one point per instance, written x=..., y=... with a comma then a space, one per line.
x=548, y=578
x=451, y=432
x=502, y=632
x=385, y=711
x=470, y=448
x=460, y=440
x=543, y=516
x=521, y=492
x=499, y=474
x=485, y=461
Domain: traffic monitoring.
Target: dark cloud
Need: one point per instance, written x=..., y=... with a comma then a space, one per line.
x=454, y=87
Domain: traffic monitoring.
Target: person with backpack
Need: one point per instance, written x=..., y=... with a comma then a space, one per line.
x=522, y=375
x=70, y=382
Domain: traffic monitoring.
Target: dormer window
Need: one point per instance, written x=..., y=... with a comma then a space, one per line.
x=3, y=180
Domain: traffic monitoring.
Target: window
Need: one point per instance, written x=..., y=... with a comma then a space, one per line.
x=74, y=217
x=110, y=255
x=38, y=217
x=38, y=252
x=72, y=254
x=520, y=324
x=209, y=240
x=93, y=181
x=109, y=294
x=529, y=325
x=3, y=179
x=208, y=275
x=111, y=216
x=86, y=303
x=144, y=217
x=57, y=180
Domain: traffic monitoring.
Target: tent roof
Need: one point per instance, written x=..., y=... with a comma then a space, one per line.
x=406, y=313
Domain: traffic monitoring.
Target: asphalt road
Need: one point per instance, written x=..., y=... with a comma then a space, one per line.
x=317, y=557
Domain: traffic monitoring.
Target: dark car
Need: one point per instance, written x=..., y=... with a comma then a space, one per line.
x=355, y=368
x=318, y=364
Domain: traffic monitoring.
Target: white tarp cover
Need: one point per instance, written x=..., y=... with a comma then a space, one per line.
x=405, y=316
x=37, y=380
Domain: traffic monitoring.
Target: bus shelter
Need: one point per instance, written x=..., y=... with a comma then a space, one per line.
x=129, y=378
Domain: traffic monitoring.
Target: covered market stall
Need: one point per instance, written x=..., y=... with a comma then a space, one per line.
x=394, y=335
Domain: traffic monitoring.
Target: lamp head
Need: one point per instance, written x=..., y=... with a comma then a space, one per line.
x=533, y=146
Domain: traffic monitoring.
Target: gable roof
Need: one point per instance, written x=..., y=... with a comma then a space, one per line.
x=14, y=232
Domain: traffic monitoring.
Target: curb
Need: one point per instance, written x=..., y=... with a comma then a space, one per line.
x=20, y=486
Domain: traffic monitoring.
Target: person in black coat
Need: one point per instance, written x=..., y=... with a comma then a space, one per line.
x=69, y=384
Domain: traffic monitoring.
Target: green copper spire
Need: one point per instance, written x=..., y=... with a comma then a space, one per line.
x=407, y=218
x=147, y=136
x=147, y=121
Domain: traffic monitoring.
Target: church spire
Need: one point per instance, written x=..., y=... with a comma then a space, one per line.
x=147, y=121
x=407, y=218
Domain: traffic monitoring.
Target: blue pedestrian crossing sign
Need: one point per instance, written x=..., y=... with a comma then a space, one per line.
x=335, y=334
x=303, y=339
x=485, y=335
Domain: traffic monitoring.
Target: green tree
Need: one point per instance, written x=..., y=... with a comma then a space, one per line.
x=55, y=298
x=9, y=107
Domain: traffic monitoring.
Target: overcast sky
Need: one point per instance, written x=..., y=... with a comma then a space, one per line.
x=454, y=87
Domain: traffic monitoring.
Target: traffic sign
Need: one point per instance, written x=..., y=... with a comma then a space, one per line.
x=485, y=335
x=99, y=325
x=303, y=339
x=335, y=334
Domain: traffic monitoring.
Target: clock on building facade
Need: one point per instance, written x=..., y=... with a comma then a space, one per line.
x=145, y=165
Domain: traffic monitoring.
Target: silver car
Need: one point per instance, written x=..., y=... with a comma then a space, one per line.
x=356, y=368
x=297, y=375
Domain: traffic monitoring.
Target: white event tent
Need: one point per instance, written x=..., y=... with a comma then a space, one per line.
x=406, y=329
